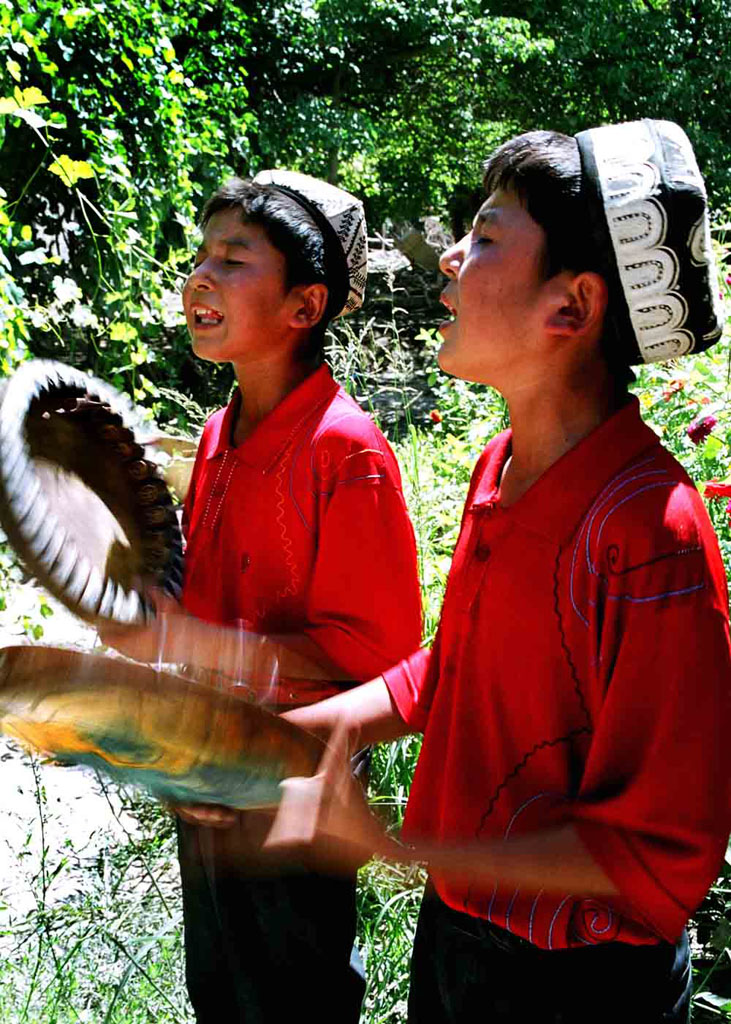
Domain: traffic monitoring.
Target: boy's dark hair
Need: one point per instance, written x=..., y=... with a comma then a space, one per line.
x=288, y=227
x=544, y=170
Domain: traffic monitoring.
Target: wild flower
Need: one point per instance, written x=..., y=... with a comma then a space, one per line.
x=699, y=429
x=435, y=416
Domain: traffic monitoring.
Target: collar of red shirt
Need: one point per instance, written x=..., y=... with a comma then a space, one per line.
x=550, y=507
x=279, y=428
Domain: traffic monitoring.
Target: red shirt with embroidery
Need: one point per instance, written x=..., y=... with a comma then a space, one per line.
x=303, y=529
x=581, y=673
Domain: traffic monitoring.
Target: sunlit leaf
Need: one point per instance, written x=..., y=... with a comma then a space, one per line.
x=712, y=447
x=30, y=97
x=69, y=171
x=123, y=332
x=71, y=18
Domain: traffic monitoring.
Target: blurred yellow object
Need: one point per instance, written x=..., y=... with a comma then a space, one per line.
x=182, y=740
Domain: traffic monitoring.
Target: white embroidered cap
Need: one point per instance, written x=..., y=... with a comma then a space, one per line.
x=341, y=220
x=648, y=213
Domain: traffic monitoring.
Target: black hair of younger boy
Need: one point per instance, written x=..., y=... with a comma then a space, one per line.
x=289, y=228
x=544, y=170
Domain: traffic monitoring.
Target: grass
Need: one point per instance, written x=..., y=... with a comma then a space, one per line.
x=90, y=927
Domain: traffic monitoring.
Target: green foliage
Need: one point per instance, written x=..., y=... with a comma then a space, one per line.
x=619, y=60
x=90, y=926
x=118, y=119
x=395, y=100
x=109, y=147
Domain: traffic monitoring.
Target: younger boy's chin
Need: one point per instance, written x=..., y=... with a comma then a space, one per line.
x=209, y=350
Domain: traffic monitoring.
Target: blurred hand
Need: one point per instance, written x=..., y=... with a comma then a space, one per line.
x=207, y=815
x=151, y=641
x=326, y=818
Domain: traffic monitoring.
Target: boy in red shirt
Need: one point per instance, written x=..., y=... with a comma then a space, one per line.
x=300, y=555
x=571, y=798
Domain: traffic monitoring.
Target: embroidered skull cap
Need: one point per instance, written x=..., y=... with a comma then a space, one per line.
x=648, y=214
x=341, y=220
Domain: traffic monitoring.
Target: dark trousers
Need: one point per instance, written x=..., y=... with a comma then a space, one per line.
x=465, y=970
x=265, y=948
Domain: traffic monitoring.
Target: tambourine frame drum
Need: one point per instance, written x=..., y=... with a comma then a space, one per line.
x=183, y=741
x=90, y=517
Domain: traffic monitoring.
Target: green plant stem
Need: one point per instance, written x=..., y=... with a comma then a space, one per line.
x=138, y=853
x=146, y=976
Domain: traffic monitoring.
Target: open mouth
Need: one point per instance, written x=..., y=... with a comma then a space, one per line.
x=205, y=316
x=444, y=299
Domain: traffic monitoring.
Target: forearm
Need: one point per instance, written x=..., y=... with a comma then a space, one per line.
x=553, y=861
x=367, y=713
x=240, y=654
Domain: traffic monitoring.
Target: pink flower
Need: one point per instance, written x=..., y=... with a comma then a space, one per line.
x=714, y=489
x=728, y=280
x=699, y=430
x=728, y=510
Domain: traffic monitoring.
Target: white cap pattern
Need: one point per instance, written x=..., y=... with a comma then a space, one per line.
x=346, y=217
x=646, y=177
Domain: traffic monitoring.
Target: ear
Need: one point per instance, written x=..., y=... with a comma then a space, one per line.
x=579, y=304
x=309, y=301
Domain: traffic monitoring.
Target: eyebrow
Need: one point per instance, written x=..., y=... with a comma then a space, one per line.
x=229, y=243
x=486, y=217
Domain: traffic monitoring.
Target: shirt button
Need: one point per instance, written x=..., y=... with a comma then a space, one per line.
x=482, y=552
x=245, y=562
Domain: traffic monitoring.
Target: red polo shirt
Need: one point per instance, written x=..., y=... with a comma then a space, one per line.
x=581, y=673
x=303, y=528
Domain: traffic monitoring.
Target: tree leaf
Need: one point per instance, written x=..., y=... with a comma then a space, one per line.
x=69, y=171
x=712, y=448
x=122, y=332
x=30, y=97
